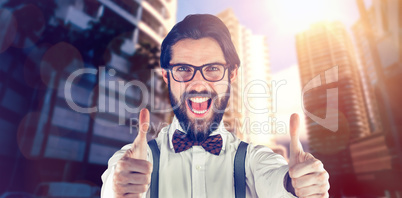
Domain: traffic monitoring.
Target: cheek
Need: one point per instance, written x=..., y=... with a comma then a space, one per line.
x=177, y=89
x=221, y=88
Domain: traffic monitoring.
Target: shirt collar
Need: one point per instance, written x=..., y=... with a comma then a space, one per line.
x=176, y=125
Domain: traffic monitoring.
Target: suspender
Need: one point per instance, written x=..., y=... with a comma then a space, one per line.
x=155, y=172
x=239, y=170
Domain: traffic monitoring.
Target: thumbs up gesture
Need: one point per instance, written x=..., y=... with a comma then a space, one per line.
x=309, y=178
x=133, y=171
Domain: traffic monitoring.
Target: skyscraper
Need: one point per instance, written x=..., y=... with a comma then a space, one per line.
x=377, y=157
x=98, y=39
x=233, y=115
x=326, y=47
x=254, y=77
x=153, y=18
x=368, y=74
x=257, y=95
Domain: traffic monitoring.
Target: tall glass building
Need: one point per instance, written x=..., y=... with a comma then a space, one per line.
x=325, y=52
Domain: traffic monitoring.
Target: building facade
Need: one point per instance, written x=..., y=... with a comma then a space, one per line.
x=78, y=86
x=233, y=117
x=377, y=156
x=325, y=51
x=257, y=95
x=254, y=78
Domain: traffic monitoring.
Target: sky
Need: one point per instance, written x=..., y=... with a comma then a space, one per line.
x=280, y=21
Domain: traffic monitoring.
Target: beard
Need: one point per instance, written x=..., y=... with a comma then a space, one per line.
x=199, y=129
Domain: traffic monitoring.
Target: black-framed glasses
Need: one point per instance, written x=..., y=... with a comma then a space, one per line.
x=211, y=72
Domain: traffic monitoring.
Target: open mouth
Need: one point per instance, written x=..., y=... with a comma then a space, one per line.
x=199, y=105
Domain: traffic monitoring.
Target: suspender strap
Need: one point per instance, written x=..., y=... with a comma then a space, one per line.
x=155, y=172
x=240, y=171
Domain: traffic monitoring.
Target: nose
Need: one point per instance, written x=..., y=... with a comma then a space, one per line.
x=198, y=76
x=198, y=83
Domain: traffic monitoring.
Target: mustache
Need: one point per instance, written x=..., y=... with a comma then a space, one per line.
x=193, y=93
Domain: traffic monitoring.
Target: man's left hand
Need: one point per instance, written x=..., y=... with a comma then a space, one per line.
x=309, y=178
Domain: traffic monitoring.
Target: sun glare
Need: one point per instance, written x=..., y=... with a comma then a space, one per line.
x=292, y=16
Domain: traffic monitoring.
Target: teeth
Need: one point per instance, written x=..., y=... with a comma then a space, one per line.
x=199, y=100
x=199, y=112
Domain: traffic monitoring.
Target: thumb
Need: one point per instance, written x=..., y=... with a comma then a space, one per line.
x=139, y=147
x=296, y=148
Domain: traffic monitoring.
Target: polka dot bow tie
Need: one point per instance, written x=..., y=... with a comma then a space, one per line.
x=181, y=142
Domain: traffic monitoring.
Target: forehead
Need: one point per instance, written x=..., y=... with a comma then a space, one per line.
x=197, y=52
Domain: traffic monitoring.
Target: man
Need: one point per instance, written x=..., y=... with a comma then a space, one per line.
x=199, y=64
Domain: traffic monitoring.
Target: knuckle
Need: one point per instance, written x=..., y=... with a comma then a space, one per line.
x=294, y=183
x=120, y=190
x=297, y=192
x=142, y=179
x=118, y=167
x=327, y=174
x=317, y=164
x=118, y=178
x=138, y=195
x=121, y=165
x=148, y=179
x=117, y=189
x=323, y=188
x=142, y=188
x=148, y=167
x=292, y=172
x=323, y=176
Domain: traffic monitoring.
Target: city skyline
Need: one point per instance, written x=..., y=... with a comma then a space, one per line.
x=364, y=145
x=68, y=101
x=265, y=19
x=279, y=21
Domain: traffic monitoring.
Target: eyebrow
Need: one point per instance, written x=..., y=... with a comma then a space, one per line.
x=176, y=64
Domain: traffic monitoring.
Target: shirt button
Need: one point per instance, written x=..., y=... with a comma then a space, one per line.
x=198, y=167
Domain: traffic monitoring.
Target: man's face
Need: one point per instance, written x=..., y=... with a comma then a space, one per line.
x=198, y=104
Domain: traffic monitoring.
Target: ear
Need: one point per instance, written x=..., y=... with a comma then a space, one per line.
x=233, y=74
x=165, y=75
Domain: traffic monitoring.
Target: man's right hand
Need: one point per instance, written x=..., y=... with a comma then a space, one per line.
x=133, y=172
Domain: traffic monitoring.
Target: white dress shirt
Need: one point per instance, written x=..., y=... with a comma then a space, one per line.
x=199, y=174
